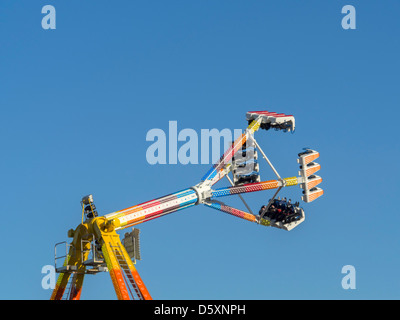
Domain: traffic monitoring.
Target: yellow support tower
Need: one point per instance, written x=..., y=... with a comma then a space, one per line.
x=127, y=283
x=126, y=280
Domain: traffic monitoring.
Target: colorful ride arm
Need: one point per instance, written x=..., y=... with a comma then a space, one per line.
x=257, y=186
x=153, y=209
x=218, y=170
x=202, y=192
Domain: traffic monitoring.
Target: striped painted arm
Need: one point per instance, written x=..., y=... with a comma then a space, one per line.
x=153, y=209
x=217, y=171
x=252, y=187
x=230, y=210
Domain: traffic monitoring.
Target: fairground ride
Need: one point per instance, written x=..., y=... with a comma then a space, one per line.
x=96, y=246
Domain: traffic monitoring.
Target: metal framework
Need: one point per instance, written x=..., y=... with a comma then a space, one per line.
x=96, y=246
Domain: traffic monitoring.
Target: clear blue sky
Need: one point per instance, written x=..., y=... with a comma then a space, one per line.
x=76, y=104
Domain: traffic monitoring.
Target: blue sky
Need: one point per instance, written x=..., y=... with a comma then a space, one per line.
x=76, y=104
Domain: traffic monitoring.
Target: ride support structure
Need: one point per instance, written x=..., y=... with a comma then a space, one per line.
x=96, y=246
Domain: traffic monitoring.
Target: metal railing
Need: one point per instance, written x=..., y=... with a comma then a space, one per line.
x=66, y=256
